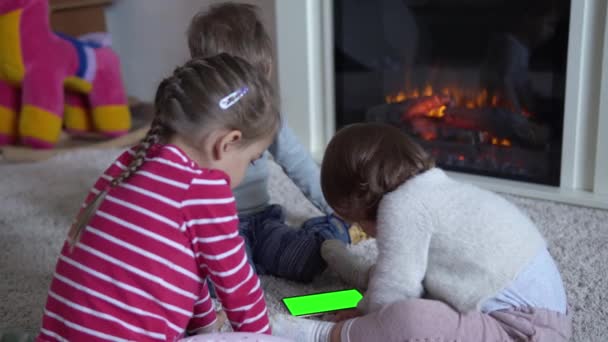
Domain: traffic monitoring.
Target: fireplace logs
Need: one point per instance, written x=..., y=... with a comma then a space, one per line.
x=483, y=139
x=427, y=116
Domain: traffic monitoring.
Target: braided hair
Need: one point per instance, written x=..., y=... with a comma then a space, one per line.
x=187, y=104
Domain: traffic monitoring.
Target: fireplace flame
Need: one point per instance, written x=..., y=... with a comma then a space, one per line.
x=461, y=98
x=501, y=142
x=434, y=105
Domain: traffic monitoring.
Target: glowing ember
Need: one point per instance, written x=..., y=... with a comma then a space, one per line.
x=437, y=112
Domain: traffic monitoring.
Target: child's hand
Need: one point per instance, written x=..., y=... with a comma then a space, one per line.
x=216, y=327
x=343, y=315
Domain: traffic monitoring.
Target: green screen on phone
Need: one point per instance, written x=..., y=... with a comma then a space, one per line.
x=322, y=302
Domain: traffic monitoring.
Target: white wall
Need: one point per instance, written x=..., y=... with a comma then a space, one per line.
x=150, y=38
x=305, y=64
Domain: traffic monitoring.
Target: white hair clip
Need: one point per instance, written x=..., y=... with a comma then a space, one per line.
x=233, y=98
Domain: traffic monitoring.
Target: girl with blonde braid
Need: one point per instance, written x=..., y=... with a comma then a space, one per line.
x=162, y=218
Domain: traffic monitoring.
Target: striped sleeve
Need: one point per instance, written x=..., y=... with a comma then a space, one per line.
x=204, y=313
x=212, y=221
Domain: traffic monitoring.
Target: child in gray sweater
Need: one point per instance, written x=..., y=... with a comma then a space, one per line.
x=480, y=264
x=273, y=246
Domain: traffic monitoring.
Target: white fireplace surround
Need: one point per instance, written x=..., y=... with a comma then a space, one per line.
x=305, y=66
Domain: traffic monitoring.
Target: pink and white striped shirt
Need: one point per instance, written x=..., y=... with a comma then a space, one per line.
x=139, y=270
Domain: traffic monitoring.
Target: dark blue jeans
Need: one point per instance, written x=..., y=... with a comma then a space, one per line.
x=288, y=252
x=275, y=248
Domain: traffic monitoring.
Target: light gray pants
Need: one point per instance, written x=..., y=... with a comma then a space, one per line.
x=417, y=320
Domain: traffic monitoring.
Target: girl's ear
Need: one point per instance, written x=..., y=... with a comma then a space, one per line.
x=226, y=143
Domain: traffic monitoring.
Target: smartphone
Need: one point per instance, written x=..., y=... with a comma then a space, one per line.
x=319, y=303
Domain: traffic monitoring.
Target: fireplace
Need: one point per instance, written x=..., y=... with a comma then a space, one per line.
x=437, y=69
x=479, y=84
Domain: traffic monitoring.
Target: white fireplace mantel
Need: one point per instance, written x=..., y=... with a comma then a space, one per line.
x=305, y=65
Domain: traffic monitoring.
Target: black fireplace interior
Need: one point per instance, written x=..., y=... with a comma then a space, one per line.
x=479, y=83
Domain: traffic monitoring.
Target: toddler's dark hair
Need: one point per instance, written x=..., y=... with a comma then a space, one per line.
x=363, y=162
x=234, y=28
x=187, y=104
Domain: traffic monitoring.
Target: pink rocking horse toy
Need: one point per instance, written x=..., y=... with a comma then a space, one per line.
x=35, y=66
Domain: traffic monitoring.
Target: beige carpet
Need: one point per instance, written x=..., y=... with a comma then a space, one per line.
x=37, y=202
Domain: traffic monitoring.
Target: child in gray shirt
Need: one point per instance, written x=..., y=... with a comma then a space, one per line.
x=272, y=246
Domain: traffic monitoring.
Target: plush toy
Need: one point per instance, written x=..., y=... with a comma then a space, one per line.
x=38, y=65
x=9, y=105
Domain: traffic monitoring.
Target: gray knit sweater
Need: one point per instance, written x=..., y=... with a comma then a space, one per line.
x=252, y=194
x=457, y=242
